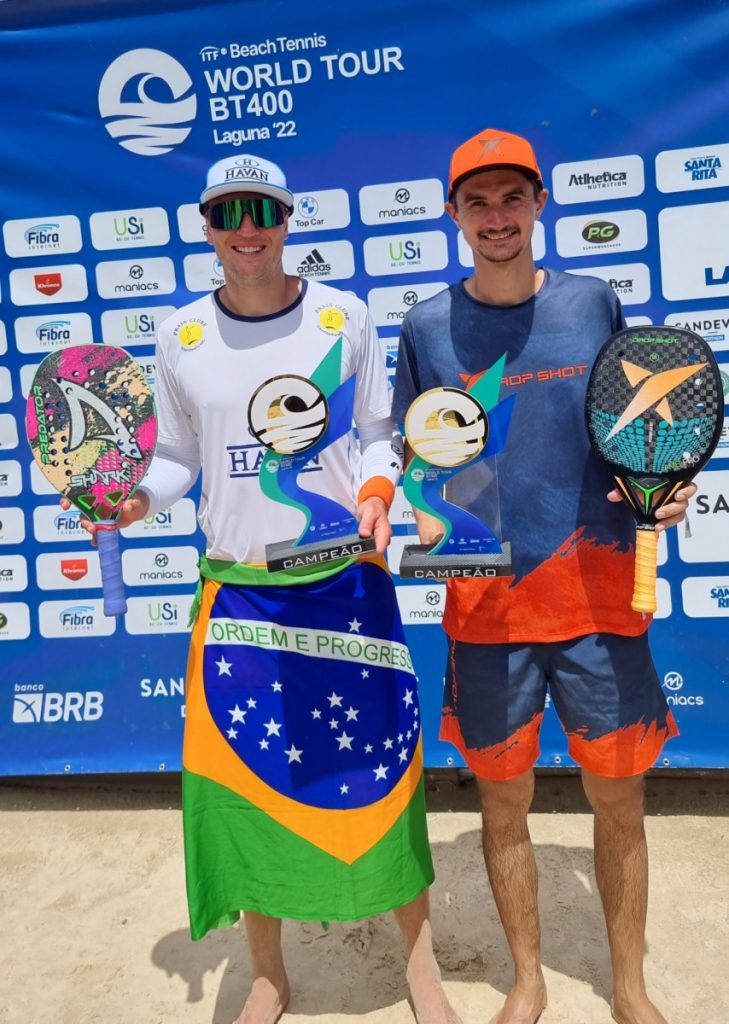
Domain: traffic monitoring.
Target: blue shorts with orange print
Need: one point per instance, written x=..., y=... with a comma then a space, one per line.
x=604, y=688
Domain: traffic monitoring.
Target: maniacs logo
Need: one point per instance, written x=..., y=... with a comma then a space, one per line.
x=32, y=704
x=673, y=682
x=149, y=124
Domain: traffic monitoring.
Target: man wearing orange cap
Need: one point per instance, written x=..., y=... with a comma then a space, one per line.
x=563, y=620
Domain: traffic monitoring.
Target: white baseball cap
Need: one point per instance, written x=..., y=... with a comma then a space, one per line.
x=246, y=173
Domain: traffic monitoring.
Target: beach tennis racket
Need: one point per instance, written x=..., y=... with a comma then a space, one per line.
x=654, y=410
x=91, y=425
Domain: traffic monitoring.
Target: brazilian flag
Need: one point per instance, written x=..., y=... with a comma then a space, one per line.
x=302, y=766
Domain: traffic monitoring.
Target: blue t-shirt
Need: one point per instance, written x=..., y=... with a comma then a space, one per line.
x=572, y=550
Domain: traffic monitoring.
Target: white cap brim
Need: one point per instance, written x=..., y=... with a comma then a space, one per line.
x=259, y=187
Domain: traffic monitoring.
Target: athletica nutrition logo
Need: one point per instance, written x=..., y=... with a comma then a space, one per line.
x=324, y=261
x=145, y=124
x=13, y=574
x=597, y=180
x=630, y=281
x=685, y=170
x=11, y=481
x=34, y=705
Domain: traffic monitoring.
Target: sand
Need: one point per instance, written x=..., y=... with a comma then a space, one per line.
x=95, y=929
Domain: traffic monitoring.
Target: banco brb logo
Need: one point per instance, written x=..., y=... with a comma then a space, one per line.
x=142, y=98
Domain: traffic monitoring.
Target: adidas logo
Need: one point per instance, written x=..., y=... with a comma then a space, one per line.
x=314, y=265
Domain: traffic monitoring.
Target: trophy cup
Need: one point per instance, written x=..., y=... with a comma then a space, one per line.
x=296, y=418
x=448, y=430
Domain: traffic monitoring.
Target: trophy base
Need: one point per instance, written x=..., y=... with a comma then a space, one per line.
x=287, y=554
x=418, y=564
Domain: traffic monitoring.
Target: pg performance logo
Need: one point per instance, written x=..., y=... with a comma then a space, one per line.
x=146, y=101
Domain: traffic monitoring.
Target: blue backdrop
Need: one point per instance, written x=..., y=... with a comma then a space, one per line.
x=112, y=113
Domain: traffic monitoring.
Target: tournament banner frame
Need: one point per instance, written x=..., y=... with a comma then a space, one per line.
x=112, y=113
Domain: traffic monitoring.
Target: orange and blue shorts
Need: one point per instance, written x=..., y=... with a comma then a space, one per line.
x=604, y=688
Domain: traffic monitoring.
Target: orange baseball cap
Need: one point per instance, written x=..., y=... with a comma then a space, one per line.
x=488, y=150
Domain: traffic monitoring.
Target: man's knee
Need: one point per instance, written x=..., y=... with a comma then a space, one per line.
x=504, y=802
x=619, y=800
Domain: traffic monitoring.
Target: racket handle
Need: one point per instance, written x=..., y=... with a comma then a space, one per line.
x=646, y=561
x=107, y=539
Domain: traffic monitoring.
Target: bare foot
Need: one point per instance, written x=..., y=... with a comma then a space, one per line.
x=266, y=1002
x=636, y=1011
x=525, y=1004
x=427, y=997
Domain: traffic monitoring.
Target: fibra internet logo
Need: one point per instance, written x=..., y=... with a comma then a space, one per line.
x=146, y=102
x=53, y=331
x=43, y=236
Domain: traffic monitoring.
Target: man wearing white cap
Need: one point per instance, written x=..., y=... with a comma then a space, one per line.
x=302, y=764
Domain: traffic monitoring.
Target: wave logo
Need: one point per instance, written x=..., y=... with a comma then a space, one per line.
x=143, y=98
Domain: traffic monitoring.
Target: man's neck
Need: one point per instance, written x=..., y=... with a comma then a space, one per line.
x=503, y=284
x=260, y=299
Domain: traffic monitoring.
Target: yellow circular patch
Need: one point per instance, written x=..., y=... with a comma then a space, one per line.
x=331, y=319
x=190, y=334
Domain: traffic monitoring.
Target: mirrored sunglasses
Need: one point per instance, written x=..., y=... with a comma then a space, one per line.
x=228, y=215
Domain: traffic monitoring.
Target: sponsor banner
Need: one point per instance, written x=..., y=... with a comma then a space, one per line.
x=618, y=231
x=8, y=432
x=327, y=210
x=33, y=704
x=73, y=570
x=14, y=620
x=638, y=321
x=6, y=385
x=401, y=201
x=11, y=482
x=43, y=286
x=709, y=520
x=631, y=282
x=130, y=229
x=51, y=523
x=684, y=170
x=394, y=551
x=13, y=573
x=591, y=181
x=158, y=614
x=389, y=348
x=121, y=279
x=40, y=235
x=694, y=251
x=191, y=223
x=421, y=605
x=27, y=373
x=136, y=326
x=722, y=449
x=388, y=306
x=321, y=262
x=663, y=599
x=711, y=324
x=203, y=272
x=539, y=246
x=12, y=526
x=178, y=521
x=148, y=366
x=75, y=619
x=39, y=484
x=49, y=333
x=705, y=597
x=154, y=567
x=406, y=254
x=401, y=512
x=3, y=339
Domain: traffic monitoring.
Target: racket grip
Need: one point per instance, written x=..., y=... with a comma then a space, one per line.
x=107, y=539
x=646, y=561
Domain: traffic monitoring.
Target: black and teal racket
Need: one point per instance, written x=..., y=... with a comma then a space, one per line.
x=654, y=409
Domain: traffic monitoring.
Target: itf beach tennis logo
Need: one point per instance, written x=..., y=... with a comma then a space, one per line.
x=146, y=102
